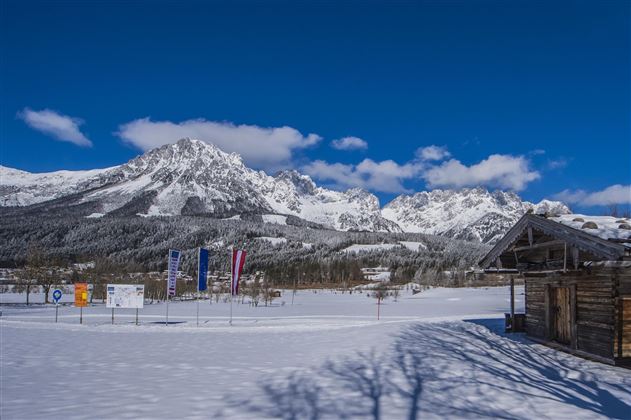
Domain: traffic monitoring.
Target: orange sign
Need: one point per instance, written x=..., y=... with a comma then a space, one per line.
x=80, y=295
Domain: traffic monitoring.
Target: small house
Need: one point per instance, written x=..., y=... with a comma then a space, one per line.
x=577, y=276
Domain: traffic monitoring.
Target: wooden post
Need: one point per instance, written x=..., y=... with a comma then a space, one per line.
x=512, y=304
x=575, y=254
x=112, y=316
x=573, y=327
x=564, y=257
x=548, y=315
x=136, y=316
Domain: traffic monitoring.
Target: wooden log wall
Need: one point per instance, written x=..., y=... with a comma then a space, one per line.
x=622, y=341
x=595, y=310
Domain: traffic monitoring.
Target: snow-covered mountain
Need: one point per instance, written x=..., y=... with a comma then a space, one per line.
x=191, y=177
x=469, y=213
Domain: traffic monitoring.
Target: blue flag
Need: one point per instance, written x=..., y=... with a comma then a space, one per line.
x=202, y=270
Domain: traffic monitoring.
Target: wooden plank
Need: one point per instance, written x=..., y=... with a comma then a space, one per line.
x=548, y=310
x=541, y=245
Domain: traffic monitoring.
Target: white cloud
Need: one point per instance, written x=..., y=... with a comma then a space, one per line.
x=349, y=143
x=557, y=163
x=261, y=147
x=432, y=152
x=615, y=194
x=502, y=171
x=58, y=126
x=386, y=176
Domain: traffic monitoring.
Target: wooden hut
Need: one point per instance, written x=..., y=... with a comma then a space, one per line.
x=577, y=276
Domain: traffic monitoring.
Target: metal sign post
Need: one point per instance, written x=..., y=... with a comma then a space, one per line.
x=167, y=321
x=198, y=309
x=112, y=316
x=56, y=297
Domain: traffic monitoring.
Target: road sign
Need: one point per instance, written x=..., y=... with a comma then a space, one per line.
x=57, y=295
x=80, y=295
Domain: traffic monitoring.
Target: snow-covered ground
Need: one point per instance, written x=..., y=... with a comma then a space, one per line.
x=272, y=240
x=442, y=350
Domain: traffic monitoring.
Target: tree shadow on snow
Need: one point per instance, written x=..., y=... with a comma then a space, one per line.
x=456, y=369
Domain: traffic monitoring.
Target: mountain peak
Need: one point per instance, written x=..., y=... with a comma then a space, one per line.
x=192, y=177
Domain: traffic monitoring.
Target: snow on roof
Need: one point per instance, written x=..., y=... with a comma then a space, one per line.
x=607, y=227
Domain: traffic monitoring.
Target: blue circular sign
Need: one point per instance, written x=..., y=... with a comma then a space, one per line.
x=56, y=295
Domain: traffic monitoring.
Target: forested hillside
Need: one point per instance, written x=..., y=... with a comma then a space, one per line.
x=313, y=255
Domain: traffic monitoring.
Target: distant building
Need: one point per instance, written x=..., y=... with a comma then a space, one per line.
x=577, y=274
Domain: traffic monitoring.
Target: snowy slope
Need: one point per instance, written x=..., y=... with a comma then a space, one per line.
x=21, y=188
x=470, y=213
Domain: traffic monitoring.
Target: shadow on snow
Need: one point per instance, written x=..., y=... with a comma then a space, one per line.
x=456, y=369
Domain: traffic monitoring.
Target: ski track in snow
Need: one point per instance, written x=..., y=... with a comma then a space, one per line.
x=268, y=362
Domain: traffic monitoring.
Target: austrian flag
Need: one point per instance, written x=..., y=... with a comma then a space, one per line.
x=238, y=260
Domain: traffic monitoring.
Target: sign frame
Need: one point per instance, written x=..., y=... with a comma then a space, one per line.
x=125, y=296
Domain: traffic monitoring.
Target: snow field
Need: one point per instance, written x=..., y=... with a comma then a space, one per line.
x=312, y=359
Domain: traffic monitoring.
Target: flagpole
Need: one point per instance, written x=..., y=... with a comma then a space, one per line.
x=167, y=292
x=166, y=289
x=231, y=279
x=199, y=250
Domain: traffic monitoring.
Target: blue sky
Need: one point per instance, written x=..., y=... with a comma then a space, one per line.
x=529, y=96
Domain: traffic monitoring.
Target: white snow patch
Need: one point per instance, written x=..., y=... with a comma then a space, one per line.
x=275, y=219
x=357, y=248
x=95, y=215
x=272, y=240
x=413, y=246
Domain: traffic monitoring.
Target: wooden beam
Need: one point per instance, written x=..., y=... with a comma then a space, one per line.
x=565, y=257
x=539, y=245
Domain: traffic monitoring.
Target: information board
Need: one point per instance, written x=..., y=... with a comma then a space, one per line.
x=81, y=295
x=125, y=296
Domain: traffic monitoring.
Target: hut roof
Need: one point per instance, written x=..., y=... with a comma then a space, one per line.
x=606, y=242
x=608, y=227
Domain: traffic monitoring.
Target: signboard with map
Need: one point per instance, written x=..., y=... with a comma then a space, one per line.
x=125, y=296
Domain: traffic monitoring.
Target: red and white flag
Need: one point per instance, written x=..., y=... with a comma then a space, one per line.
x=238, y=260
